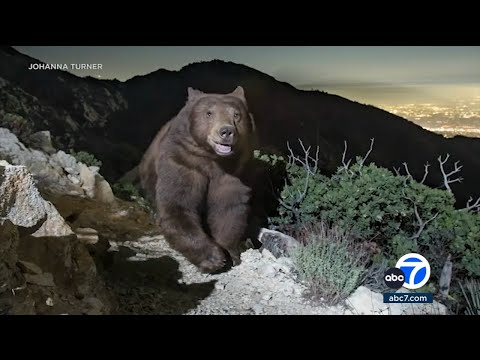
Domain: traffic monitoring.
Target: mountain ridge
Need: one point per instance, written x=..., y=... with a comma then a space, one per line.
x=116, y=120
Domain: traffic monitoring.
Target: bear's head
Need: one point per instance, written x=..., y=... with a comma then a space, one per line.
x=221, y=123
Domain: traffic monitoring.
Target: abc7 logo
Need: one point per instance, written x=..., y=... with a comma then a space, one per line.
x=394, y=278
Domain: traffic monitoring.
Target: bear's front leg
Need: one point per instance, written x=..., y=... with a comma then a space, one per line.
x=180, y=198
x=228, y=210
x=183, y=231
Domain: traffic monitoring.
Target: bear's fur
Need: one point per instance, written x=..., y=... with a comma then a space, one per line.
x=193, y=172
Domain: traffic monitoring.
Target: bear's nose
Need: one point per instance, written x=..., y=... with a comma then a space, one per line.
x=226, y=132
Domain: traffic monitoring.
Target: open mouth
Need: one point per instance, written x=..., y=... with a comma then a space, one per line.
x=221, y=149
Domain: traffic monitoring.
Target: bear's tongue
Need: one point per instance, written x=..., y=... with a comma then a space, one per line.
x=223, y=149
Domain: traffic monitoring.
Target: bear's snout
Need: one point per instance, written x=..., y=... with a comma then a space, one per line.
x=226, y=132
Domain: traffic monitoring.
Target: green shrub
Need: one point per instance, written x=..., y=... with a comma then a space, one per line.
x=126, y=191
x=397, y=213
x=330, y=262
x=86, y=158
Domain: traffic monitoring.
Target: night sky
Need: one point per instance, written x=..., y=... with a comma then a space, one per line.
x=375, y=75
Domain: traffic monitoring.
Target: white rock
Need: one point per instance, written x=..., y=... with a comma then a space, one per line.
x=219, y=286
x=49, y=301
x=71, y=170
x=88, y=180
x=55, y=225
x=257, y=309
x=103, y=191
x=47, y=170
x=73, y=179
x=113, y=246
x=20, y=200
x=268, y=255
x=94, y=169
x=268, y=271
x=66, y=161
x=87, y=235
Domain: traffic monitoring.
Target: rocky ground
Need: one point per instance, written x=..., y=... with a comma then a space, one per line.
x=69, y=246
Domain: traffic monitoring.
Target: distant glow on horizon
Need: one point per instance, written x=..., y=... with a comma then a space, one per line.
x=384, y=76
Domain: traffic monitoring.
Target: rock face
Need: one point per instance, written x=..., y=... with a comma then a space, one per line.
x=59, y=173
x=20, y=201
x=42, y=140
x=40, y=255
x=277, y=243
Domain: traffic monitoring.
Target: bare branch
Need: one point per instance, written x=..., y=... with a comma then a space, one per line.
x=372, y=140
x=345, y=165
x=285, y=205
x=427, y=165
x=291, y=156
x=315, y=160
x=446, y=177
x=296, y=199
x=460, y=179
x=421, y=222
x=301, y=195
x=475, y=206
x=397, y=170
x=408, y=172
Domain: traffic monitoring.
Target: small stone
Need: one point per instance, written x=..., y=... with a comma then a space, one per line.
x=267, y=270
x=287, y=291
x=113, y=246
x=29, y=268
x=257, y=309
x=267, y=297
x=49, y=301
x=267, y=254
x=45, y=279
x=87, y=235
x=73, y=179
x=94, y=169
x=119, y=214
x=219, y=286
x=71, y=170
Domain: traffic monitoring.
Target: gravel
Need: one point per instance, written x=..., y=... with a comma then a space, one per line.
x=260, y=285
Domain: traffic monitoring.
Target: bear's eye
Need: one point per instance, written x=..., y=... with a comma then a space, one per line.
x=236, y=115
x=209, y=113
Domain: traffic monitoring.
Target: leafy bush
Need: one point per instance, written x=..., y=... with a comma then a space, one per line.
x=331, y=263
x=395, y=212
x=86, y=158
x=126, y=191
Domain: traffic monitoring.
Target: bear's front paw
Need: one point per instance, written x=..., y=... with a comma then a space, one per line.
x=215, y=260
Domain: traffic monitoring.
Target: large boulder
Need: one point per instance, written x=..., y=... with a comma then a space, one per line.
x=44, y=268
x=56, y=172
x=20, y=201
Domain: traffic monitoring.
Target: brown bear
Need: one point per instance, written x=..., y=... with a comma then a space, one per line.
x=193, y=173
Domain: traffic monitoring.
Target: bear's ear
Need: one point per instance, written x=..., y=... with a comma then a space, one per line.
x=193, y=93
x=239, y=93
